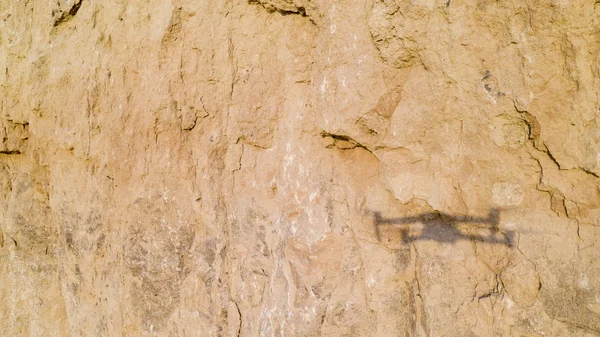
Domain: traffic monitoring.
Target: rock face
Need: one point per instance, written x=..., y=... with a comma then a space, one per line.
x=300, y=168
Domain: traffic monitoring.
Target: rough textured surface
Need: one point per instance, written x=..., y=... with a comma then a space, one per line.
x=300, y=168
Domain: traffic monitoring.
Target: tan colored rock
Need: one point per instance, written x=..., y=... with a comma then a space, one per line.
x=299, y=168
x=522, y=282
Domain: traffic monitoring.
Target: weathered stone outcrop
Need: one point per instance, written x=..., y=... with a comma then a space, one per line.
x=300, y=168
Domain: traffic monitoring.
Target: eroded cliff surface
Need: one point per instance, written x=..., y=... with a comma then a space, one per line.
x=300, y=168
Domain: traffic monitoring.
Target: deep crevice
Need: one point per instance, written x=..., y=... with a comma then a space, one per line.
x=300, y=10
x=337, y=137
x=66, y=16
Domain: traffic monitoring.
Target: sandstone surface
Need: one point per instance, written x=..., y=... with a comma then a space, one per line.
x=300, y=168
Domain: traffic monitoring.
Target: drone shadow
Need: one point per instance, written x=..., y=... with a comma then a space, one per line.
x=447, y=228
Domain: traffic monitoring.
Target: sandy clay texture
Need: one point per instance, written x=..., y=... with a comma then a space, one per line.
x=247, y=168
